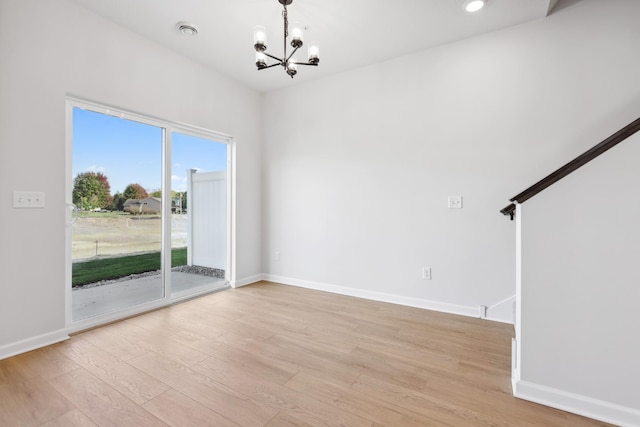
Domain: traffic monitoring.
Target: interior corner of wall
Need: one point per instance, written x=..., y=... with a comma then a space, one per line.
x=246, y=281
x=502, y=311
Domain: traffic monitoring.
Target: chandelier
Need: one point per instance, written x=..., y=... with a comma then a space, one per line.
x=288, y=62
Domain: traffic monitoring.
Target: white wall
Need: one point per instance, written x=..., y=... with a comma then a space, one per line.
x=581, y=287
x=51, y=48
x=357, y=167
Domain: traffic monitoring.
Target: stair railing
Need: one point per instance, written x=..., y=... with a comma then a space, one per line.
x=573, y=165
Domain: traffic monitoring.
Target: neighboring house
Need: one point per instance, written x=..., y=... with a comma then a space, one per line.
x=150, y=205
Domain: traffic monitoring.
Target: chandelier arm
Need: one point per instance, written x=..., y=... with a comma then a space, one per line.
x=273, y=57
x=277, y=64
x=292, y=53
x=306, y=63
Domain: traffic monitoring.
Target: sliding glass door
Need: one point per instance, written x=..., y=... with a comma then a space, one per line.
x=149, y=213
x=116, y=239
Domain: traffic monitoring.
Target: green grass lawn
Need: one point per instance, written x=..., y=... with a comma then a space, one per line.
x=114, y=268
x=109, y=214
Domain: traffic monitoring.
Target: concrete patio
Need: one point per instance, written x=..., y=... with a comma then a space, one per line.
x=96, y=300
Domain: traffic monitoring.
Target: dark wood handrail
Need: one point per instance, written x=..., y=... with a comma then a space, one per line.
x=574, y=164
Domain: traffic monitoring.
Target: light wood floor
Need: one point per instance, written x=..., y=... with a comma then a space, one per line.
x=273, y=355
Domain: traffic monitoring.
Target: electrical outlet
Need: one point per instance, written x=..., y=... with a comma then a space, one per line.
x=426, y=273
x=28, y=199
x=277, y=256
x=454, y=202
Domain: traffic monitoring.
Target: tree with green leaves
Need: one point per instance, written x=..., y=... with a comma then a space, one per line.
x=118, y=202
x=91, y=190
x=135, y=191
x=107, y=187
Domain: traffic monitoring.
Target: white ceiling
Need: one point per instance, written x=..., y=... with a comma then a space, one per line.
x=350, y=33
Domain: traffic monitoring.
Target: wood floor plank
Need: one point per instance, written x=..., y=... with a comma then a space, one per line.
x=158, y=343
x=330, y=303
x=285, y=420
x=439, y=410
x=115, y=344
x=274, y=322
x=218, y=397
x=394, y=370
x=194, y=317
x=131, y=382
x=413, y=354
x=237, y=349
x=211, y=325
x=104, y=405
x=165, y=321
x=47, y=362
x=16, y=369
x=74, y=418
x=322, y=365
x=357, y=403
x=178, y=410
x=327, y=336
x=281, y=398
x=30, y=402
x=220, y=307
x=269, y=308
x=269, y=369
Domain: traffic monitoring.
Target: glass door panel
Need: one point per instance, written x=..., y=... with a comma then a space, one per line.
x=116, y=240
x=198, y=214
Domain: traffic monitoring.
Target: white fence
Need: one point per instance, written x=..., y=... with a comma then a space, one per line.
x=207, y=219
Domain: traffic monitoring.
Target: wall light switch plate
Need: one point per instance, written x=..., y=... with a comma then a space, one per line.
x=455, y=202
x=28, y=199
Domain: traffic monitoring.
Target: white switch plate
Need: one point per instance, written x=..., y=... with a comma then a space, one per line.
x=455, y=202
x=28, y=199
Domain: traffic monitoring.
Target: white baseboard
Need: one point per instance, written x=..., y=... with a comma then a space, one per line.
x=247, y=281
x=377, y=296
x=577, y=404
x=33, y=343
x=502, y=311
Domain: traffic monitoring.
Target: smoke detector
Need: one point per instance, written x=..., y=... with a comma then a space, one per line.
x=187, y=28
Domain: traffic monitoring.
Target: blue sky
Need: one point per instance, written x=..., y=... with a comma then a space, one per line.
x=129, y=152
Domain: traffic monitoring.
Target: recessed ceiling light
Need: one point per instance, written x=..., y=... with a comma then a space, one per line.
x=187, y=29
x=474, y=5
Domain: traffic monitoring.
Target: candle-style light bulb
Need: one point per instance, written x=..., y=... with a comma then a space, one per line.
x=314, y=53
x=292, y=67
x=260, y=39
x=261, y=60
x=297, y=34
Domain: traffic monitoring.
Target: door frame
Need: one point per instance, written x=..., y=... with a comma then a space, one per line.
x=168, y=127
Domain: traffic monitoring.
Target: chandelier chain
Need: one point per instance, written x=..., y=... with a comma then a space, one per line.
x=286, y=21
